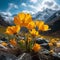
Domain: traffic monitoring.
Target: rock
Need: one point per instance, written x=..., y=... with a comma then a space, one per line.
x=56, y=57
x=1, y=46
x=41, y=41
x=57, y=49
x=4, y=39
x=44, y=51
x=46, y=46
x=59, y=53
x=10, y=46
x=39, y=56
x=21, y=37
x=5, y=56
x=24, y=56
x=1, y=41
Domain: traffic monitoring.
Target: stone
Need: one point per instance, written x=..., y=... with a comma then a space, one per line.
x=5, y=56
x=24, y=56
x=4, y=39
x=1, y=46
x=41, y=41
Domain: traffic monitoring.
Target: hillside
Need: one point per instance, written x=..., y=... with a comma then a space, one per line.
x=54, y=23
x=3, y=22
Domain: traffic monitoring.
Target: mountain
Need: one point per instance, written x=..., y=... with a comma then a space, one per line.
x=7, y=16
x=3, y=22
x=54, y=23
x=53, y=17
x=43, y=15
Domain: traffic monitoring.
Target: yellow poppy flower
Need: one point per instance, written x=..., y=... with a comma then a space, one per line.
x=31, y=25
x=39, y=23
x=4, y=43
x=17, y=21
x=44, y=28
x=22, y=19
x=34, y=32
x=50, y=44
x=12, y=30
x=22, y=41
x=21, y=16
x=53, y=41
x=13, y=42
x=28, y=18
x=36, y=47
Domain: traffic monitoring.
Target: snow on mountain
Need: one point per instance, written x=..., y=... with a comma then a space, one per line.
x=41, y=15
x=7, y=16
x=44, y=15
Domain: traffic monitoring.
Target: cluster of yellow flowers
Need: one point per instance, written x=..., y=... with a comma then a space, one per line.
x=52, y=42
x=12, y=30
x=25, y=20
x=41, y=26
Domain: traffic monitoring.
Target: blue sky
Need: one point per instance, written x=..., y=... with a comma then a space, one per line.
x=30, y=6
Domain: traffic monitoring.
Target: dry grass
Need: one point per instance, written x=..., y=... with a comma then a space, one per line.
x=2, y=29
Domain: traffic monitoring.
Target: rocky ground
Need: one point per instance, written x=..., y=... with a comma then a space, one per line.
x=11, y=53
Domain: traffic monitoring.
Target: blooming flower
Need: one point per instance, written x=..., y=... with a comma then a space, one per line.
x=31, y=25
x=36, y=47
x=4, y=43
x=28, y=42
x=21, y=16
x=34, y=32
x=22, y=41
x=44, y=27
x=12, y=30
x=13, y=42
x=22, y=19
x=41, y=26
x=50, y=44
x=28, y=18
x=39, y=23
x=53, y=41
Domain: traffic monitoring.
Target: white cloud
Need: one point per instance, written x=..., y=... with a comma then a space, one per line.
x=24, y=4
x=51, y=4
x=9, y=19
x=34, y=1
x=6, y=13
x=32, y=6
x=27, y=11
x=12, y=5
x=40, y=6
x=7, y=16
